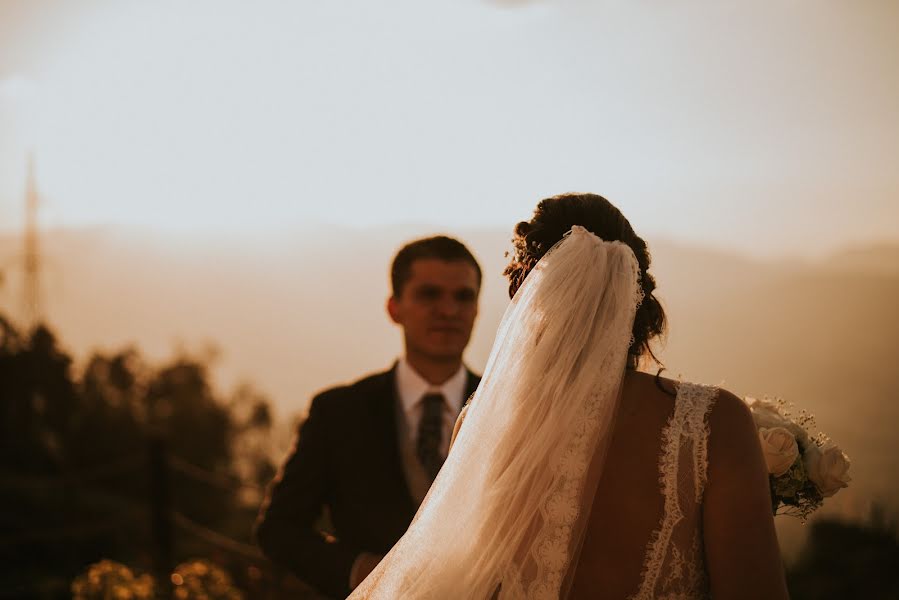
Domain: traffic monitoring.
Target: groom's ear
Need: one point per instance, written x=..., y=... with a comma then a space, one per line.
x=393, y=310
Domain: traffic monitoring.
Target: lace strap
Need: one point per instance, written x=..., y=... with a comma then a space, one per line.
x=701, y=399
x=692, y=404
x=668, y=474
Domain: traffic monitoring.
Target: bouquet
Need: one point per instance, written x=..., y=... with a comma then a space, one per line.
x=109, y=579
x=803, y=467
x=200, y=579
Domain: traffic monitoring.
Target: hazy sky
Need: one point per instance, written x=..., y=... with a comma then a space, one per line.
x=767, y=127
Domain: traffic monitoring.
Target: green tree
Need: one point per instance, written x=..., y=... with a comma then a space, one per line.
x=74, y=483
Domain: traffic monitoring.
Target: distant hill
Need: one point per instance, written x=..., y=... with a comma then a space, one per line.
x=880, y=259
x=298, y=313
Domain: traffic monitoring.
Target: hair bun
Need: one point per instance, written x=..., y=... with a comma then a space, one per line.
x=523, y=228
x=552, y=219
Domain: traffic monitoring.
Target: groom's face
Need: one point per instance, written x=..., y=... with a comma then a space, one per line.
x=437, y=307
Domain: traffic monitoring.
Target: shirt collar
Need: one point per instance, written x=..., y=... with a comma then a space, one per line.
x=412, y=387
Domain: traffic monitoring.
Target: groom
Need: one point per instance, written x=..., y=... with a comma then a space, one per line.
x=368, y=452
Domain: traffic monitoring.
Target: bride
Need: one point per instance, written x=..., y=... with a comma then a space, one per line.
x=573, y=474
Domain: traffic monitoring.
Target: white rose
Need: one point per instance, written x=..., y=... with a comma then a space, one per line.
x=780, y=449
x=828, y=468
x=767, y=414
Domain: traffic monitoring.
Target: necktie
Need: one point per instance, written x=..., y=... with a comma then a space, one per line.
x=430, y=433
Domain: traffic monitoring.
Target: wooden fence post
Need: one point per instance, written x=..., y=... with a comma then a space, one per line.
x=161, y=515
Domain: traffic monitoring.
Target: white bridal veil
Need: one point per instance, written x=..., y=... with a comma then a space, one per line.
x=506, y=515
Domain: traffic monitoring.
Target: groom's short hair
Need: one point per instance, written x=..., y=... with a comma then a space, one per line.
x=439, y=246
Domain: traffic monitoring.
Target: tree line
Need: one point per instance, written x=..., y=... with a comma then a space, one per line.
x=76, y=477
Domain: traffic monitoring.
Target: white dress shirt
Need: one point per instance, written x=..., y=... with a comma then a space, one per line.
x=412, y=387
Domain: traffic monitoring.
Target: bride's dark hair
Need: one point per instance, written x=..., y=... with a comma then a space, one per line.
x=552, y=219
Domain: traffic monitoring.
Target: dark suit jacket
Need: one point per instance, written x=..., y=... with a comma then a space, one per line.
x=345, y=458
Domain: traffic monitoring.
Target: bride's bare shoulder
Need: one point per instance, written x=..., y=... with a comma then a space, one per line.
x=647, y=400
x=730, y=422
x=651, y=387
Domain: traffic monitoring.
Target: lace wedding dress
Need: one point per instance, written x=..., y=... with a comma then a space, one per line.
x=507, y=515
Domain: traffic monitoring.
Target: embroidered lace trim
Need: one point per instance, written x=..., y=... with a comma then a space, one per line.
x=562, y=507
x=687, y=424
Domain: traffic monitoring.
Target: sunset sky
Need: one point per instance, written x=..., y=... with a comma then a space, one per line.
x=763, y=127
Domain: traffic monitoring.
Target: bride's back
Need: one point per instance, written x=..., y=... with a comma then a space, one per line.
x=682, y=507
x=628, y=513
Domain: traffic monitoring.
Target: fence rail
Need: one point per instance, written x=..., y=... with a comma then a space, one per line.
x=155, y=511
